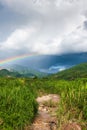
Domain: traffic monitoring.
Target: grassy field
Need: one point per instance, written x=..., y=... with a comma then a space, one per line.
x=18, y=106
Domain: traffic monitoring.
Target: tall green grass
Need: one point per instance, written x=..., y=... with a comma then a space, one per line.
x=17, y=105
x=73, y=99
x=73, y=104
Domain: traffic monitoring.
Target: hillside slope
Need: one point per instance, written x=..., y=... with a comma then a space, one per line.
x=25, y=71
x=21, y=73
x=78, y=71
x=6, y=73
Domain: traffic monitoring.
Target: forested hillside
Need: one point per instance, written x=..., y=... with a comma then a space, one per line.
x=78, y=71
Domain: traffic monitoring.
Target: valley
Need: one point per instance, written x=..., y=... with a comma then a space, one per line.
x=43, y=64
x=53, y=102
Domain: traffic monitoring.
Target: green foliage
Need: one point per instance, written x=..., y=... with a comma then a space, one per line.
x=27, y=73
x=73, y=104
x=6, y=73
x=17, y=104
x=78, y=71
x=73, y=98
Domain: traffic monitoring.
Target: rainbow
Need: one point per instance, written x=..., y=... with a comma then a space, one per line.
x=15, y=58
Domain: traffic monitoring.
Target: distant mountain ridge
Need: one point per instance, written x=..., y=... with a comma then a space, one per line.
x=78, y=71
x=23, y=71
x=6, y=73
x=45, y=64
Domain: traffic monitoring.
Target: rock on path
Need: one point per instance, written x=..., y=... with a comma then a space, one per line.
x=46, y=118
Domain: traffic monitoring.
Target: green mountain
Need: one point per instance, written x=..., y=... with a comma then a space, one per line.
x=25, y=71
x=78, y=71
x=6, y=73
x=21, y=71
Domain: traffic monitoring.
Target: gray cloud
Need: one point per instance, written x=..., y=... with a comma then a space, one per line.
x=43, y=26
x=85, y=25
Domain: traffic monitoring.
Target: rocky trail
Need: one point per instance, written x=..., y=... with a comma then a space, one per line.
x=46, y=118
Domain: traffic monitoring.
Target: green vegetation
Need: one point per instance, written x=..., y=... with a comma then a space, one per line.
x=73, y=95
x=78, y=71
x=22, y=73
x=6, y=73
x=18, y=106
x=26, y=72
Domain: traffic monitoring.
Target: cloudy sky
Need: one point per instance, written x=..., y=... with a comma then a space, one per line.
x=42, y=27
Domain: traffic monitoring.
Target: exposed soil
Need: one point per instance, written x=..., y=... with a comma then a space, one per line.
x=46, y=118
x=71, y=126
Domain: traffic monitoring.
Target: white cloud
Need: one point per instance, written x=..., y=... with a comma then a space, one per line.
x=75, y=41
x=51, y=27
x=54, y=69
x=17, y=39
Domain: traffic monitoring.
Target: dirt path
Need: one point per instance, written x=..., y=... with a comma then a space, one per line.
x=46, y=118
